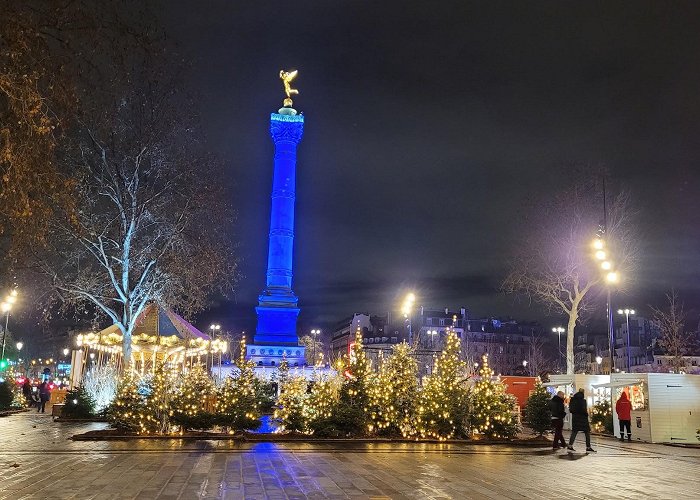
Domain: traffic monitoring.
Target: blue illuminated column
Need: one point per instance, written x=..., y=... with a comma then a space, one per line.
x=277, y=309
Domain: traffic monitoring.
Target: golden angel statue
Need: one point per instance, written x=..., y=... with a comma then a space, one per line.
x=287, y=78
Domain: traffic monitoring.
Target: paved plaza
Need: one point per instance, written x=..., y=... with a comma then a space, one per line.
x=38, y=460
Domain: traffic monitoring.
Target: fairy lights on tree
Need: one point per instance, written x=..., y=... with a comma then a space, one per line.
x=443, y=403
x=237, y=407
x=491, y=406
x=190, y=403
x=394, y=393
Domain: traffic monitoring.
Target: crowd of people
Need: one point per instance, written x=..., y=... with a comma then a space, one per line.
x=578, y=408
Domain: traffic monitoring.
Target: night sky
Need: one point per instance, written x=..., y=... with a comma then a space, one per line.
x=428, y=127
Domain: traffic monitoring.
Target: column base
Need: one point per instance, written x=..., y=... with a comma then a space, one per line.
x=272, y=355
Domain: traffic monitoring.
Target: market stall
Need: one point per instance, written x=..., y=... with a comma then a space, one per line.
x=592, y=385
x=665, y=406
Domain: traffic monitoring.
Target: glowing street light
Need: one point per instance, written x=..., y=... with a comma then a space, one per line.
x=66, y=351
x=406, y=309
x=19, y=345
x=559, y=330
x=315, y=332
x=612, y=277
x=626, y=312
x=5, y=307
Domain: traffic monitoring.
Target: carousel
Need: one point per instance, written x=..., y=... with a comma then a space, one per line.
x=160, y=337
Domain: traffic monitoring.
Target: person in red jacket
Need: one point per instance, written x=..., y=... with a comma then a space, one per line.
x=623, y=408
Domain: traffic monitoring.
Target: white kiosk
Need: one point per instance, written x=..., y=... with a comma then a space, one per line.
x=665, y=406
x=592, y=385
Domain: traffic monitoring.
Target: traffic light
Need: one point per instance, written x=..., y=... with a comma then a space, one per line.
x=3, y=364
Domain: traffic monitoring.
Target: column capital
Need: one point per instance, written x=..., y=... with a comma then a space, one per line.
x=286, y=128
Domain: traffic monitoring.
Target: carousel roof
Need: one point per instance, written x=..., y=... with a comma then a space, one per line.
x=160, y=322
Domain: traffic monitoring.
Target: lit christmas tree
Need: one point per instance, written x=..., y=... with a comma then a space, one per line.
x=191, y=399
x=127, y=410
x=601, y=417
x=159, y=392
x=322, y=403
x=443, y=404
x=291, y=412
x=491, y=406
x=394, y=393
x=537, y=413
x=237, y=406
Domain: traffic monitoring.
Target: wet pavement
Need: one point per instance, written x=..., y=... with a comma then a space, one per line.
x=38, y=460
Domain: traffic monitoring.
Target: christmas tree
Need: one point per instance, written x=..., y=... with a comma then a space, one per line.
x=393, y=395
x=491, y=406
x=443, y=404
x=79, y=403
x=291, y=412
x=351, y=415
x=237, y=407
x=159, y=392
x=191, y=399
x=322, y=403
x=601, y=417
x=537, y=413
x=127, y=410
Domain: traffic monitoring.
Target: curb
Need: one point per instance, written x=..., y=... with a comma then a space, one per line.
x=266, y=438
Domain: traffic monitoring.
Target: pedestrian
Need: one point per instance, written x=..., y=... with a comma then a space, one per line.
x=579, y=420
x=44, y=396
x=623, y=408
x=556, y=405
x=27, y=391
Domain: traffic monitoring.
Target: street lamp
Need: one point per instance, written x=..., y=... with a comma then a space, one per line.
x=19, y=346
x=598, y=360
x=214, y=327
x=611, y=277
x=66, y=351
x=432, y=334
x=5, y=307
x=314, y=332
x=559, y=330
x=627, y=313
x=406, y=309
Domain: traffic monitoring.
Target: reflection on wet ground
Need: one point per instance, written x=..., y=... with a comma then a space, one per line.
x=38, y=460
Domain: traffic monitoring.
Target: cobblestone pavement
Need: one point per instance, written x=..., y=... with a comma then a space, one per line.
x=38, y=460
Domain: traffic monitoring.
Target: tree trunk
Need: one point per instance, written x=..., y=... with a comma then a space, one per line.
x=126, y=350
x=570, y=364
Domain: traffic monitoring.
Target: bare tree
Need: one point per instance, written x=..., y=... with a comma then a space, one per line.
x=150, y=219
x=675, y=341
x=553, y=264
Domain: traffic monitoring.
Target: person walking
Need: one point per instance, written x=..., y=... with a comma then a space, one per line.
x=556, y=406
x=623, y=408
x=27, y=391
x=579, y=420
x=44, y=396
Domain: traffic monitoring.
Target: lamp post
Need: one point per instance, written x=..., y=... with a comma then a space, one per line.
x=627, y=313
x=214, y=327
x=525, y=366
x=598, y=360
x=611, y=277
x=406, y=309
x=5, y=307
x=314, y=332
x=432, y=334
x=559, y=330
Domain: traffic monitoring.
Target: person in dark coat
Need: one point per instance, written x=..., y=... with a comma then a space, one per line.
x=579, y=420
x=556, y=406
x=44, y=396
x=27, y=391
x=623, y=408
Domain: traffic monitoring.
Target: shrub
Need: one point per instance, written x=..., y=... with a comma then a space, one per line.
x=537, y=413
x=79, y=404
